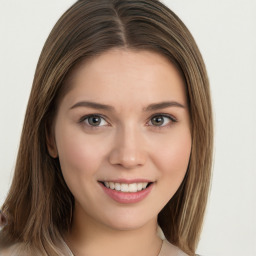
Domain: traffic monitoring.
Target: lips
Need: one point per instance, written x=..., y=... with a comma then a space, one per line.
x=123, y=191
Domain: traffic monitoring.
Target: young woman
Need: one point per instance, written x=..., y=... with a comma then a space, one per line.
x=116, y=149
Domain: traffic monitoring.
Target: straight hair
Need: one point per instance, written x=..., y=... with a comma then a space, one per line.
x=39, y=204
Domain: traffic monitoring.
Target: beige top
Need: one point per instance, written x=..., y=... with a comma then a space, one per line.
x=167, y=249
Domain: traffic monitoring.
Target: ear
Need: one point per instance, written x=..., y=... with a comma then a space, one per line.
x=50, y=141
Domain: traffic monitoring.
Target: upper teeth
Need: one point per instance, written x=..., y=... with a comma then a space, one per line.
x=124, y=187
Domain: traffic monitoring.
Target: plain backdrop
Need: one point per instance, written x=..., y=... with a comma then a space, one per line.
x=225, y=31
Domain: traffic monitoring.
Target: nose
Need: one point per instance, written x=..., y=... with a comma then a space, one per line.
x=128, y=149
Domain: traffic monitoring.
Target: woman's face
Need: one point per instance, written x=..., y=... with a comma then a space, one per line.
x=123, y=126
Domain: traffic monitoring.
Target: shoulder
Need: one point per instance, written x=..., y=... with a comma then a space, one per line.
x=23, y=249
x=170, y=249
x=8, y=251
x=18, y=249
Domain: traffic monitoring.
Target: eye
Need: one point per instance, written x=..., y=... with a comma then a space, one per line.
x=161, y=120
x=94, y=120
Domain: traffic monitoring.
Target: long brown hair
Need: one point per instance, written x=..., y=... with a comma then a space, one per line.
x=39, y=204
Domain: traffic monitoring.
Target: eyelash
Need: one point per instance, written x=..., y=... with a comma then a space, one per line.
x=84, y=118
x=161, y=115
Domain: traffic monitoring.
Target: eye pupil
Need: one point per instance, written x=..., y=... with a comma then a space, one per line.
x=94, y=120
x=157, y=120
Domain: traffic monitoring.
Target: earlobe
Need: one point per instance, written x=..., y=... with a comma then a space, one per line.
x=51, y=143
x=52, y=149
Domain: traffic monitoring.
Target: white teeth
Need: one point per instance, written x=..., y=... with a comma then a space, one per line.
x=112, y=185
x=144, y=185
x=134, y=187
x=139, y=186
x=117, y=186
x=124, y=187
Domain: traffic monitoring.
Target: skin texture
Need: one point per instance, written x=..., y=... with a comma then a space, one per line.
x=126, y=144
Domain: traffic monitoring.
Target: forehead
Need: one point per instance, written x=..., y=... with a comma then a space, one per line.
x=117, y=73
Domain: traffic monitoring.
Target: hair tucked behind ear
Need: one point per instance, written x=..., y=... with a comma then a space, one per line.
x=39, y=204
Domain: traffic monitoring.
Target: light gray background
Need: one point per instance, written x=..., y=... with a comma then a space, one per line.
x=225, y=33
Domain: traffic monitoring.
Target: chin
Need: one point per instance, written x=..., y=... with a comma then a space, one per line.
x=128, y=222
x=126, y=226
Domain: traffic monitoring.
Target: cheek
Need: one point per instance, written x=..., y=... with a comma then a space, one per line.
x=79, y=155
x=176, y=155
x=174, y=162
x=172, y=156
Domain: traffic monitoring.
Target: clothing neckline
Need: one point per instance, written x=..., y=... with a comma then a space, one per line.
x=71, y=253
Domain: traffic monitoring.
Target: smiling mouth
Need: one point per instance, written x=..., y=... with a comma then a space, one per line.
x=127, y=188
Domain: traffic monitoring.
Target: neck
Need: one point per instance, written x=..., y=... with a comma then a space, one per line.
x=89, y=237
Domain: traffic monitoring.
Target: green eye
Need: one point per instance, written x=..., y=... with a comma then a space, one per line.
x=95, y=120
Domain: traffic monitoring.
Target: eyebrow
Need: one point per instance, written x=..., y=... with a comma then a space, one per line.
x=151, y=107
x=92, y=105
x=165, y=104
